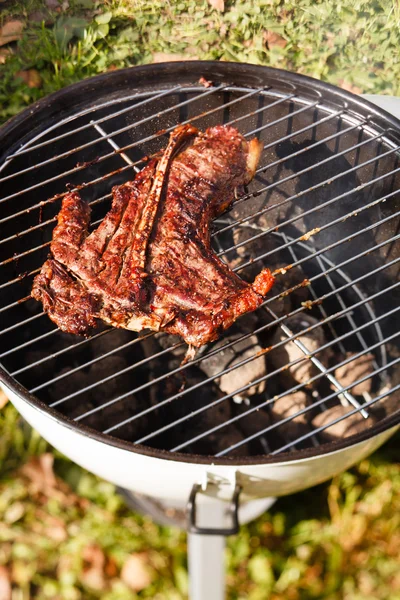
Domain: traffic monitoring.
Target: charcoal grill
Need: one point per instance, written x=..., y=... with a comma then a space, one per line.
x=322, y=212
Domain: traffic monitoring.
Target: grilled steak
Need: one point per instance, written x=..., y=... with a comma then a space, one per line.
x=149, y=264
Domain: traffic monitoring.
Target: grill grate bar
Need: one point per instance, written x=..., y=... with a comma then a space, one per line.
x=275, y=163
x=294, y=176
x=25, y=149
x=307, y=128
x=313, y=292
x=299, y=111
x=62, y=351
x=18, y=279
x=28, y=343
x=324, y=314
x=243, y=337
x=40, y=205
x=267, y=209
x=16, y=325
x=262, y=109
x=369, y=403
x=344, y=240
x=17, y=256
x=210, y=379
x=95, y=360
x=109, y=155
x=106, y=156
x=316, y=362
x=349, y=317
x=317, y=253
x=306, y=409
x=83, y=146
x=52, y=220
x=254, y=408
x=303, y=193
x=306, y=236
x=117, y=148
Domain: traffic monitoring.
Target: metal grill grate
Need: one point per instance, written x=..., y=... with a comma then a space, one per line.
x=321, y=211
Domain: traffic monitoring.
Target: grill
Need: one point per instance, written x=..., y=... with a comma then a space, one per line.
x=290, y=395
x=322, y=212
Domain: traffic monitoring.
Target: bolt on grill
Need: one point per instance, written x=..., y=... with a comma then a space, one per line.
x=321, y=212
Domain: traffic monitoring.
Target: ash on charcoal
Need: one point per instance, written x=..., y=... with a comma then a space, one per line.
x=254, y=423
x=281, y=356
x=241, y=376
x=289, y=406
x=202, y=397
x=356, y=369
x=348, y=426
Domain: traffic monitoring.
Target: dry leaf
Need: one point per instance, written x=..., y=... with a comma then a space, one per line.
x=349, y=87
x=39, y=470
x=41, y=480
x=14, y=512
x=135, y=572
x=52, y=4
x=3, y=397
x=93, y=574
x=159, y=57
x=111, y=569
x=217, y=4
x=4, y=54
x=11, y=31
x=55, y=529
x=31, y=77
x=5, y=585
x=273, y=39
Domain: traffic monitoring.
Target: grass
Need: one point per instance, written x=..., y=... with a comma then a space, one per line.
x=65, y=534
x=353, y=43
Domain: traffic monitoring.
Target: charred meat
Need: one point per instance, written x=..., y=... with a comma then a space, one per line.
x=149, y=264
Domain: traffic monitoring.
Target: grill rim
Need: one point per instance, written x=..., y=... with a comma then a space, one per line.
x=145, y=78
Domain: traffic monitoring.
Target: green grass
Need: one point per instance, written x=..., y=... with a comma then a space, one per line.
x=69, y=537
x=354, y=43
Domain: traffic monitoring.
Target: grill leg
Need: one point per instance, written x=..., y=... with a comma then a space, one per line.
x=206, y=567
x=206, y=556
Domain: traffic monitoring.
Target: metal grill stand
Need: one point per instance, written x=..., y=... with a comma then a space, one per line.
x=205, y=550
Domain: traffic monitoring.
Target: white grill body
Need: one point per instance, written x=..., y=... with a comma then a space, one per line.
x=172, y=480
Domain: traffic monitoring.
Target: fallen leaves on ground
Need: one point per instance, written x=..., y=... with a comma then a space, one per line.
x=160, y=57
x=11, y=31
x=5, y=585
x=135, y=572
x=31, y=77
x=38, y=472
x=93, y=573
x=349, y=87
x=217, y=4
x=273, y=39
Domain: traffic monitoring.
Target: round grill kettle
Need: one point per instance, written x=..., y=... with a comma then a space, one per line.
x=293, y=393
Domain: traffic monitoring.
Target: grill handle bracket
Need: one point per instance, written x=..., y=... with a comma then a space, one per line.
x=233, y=511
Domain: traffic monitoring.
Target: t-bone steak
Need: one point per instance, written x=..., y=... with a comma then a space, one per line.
x=149, y=264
